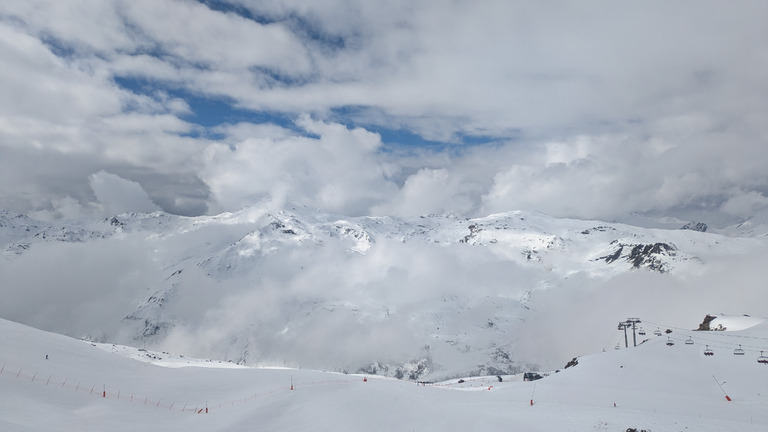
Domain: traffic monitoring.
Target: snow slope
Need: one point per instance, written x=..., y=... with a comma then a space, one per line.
x=84, y=386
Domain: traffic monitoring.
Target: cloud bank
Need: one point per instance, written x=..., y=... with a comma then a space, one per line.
x=590, y=111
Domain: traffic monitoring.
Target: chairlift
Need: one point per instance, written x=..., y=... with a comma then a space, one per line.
x=657, y=332
x=689, y=341
x=762, y=359
x=738, y=351
x=670, y=342
x=641, y=332
x=708, y=352
x=618, y=346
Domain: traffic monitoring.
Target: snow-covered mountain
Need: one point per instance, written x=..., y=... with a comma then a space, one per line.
x=418, y=298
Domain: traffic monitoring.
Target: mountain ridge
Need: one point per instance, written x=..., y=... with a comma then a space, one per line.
x=447, y=295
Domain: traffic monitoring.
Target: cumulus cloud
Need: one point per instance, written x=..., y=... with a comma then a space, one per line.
x=198, y=35
x=118, y=195
x=430, y=191
x=589, y=111
x=65, y=208
x=336, y=168
x=39, y=86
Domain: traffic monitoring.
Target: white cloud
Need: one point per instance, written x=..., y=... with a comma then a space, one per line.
x=37, y=84
x=76, y=288
x=66, y=208
x=599, y=111
x=745, y=205
x=429, y=191
x=337, y=171
x=194, y=33
x=88, y=25
x=118, y=195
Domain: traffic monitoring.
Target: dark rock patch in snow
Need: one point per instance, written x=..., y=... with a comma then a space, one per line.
x=695, y=226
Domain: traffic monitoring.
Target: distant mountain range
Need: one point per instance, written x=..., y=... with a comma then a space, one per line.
x=416, y=298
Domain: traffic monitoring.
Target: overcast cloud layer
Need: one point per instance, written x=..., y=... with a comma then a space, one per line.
x=397, y=107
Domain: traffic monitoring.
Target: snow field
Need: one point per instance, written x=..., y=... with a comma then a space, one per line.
x=654, y=387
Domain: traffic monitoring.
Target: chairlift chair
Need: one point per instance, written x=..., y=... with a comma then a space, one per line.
x=641, y=332
x=657, y=332
x=689, y=341
x=708, y=352
x=618, y=346
x=670, y=342
x=738, y=351
x=762, y=359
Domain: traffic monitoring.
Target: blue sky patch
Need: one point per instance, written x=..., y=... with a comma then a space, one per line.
x=206, y=111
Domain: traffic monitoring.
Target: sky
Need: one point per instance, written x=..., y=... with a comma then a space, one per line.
x=600, y=110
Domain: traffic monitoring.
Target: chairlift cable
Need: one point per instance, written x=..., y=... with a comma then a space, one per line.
x=610, y=341
x=694, y=337
x=726, y=334
x=715, y=345
x=696, y=334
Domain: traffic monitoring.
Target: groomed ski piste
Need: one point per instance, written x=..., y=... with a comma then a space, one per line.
x=50, y=382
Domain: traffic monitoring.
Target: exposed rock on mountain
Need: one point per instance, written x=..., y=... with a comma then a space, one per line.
x=695, y=226
x=651, y=256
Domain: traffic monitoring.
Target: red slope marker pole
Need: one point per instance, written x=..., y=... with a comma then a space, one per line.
x=728, y=398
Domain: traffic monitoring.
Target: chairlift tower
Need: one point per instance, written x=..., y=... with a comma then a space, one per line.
x=623, y=325
x=633, y=322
